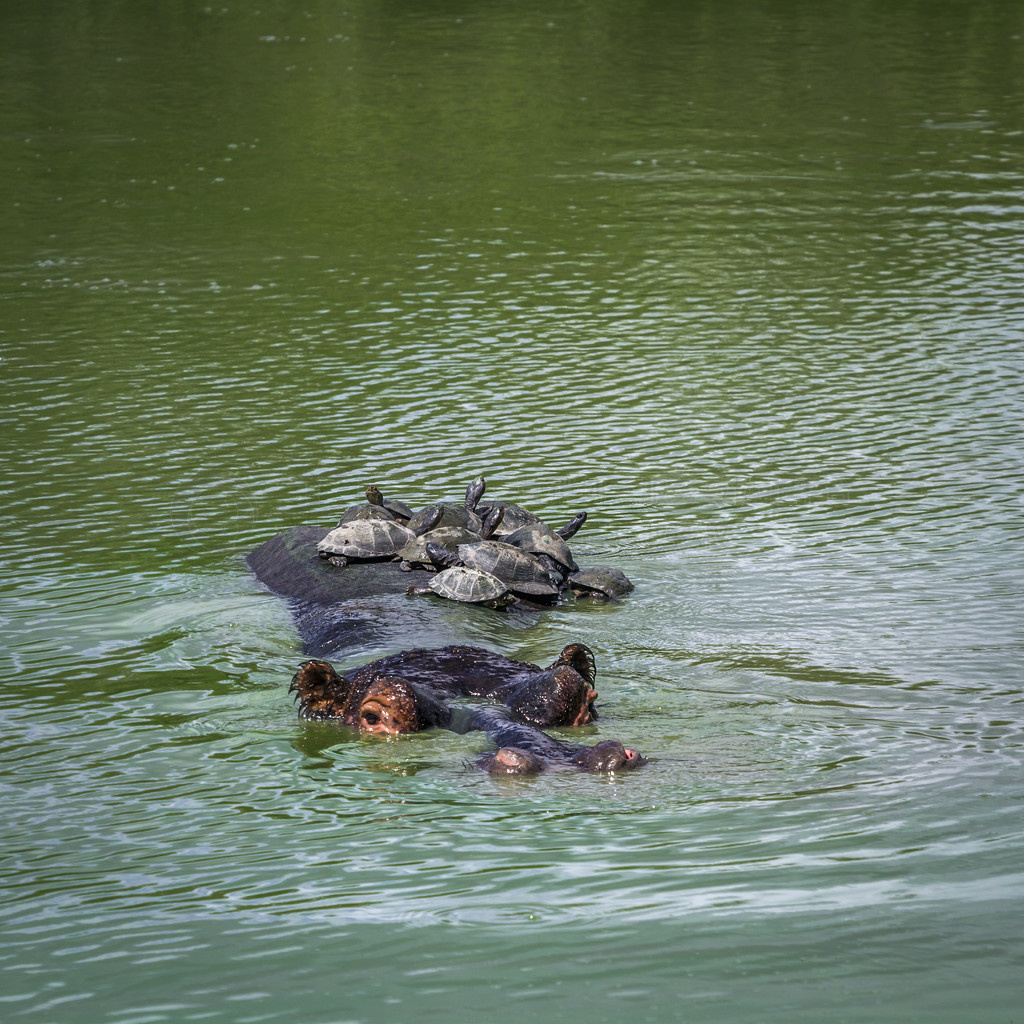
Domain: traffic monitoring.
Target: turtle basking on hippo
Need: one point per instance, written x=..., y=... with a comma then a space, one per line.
x=405, y=692
x=344, y=585
x=521, y=556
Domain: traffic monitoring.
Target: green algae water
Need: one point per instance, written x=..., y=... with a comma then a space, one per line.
x=744, y=280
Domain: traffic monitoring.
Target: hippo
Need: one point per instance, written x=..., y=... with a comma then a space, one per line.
x=375, y=700
x=560, y=695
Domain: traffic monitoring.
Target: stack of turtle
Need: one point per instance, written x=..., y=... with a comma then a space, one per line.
x=482, y=553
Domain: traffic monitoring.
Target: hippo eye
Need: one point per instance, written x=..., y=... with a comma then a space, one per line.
x=370, y=718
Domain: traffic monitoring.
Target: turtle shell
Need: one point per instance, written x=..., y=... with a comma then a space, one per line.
x=452, y=514
x=360, y=512
x=520, y=571
x=513, y=517
x=539, y=539
x=601, y=579
x=461, y=583
x=365, y=539
x=449, y=537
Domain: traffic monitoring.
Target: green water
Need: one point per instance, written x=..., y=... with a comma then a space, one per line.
x=745, y=280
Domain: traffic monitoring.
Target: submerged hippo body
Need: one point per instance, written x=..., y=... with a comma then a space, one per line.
x=363, y=604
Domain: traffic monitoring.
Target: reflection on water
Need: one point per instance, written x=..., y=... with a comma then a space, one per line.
x=746, y=287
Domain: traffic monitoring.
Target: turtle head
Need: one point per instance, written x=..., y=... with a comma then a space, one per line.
x=474, y=492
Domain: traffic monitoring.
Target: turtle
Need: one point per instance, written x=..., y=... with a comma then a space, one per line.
x=518, y=570
x=377, y=507
x=397, y=508
x=547, y=544
x=357, y=513
x=600, y=581
x=454, y=514
x=368, y=539
x=415, y=552
x=514, y=516
x=460, y=583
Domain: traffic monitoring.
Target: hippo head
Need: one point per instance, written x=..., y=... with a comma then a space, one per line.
x=382, y=705
x=388, y=707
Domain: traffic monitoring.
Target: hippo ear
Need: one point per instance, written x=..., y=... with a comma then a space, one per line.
x=320, y=691
x=581, y=658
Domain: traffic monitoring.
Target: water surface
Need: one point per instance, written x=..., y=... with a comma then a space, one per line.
x=743, y=280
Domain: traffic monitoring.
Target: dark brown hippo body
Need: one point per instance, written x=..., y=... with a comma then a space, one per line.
x=363, y=605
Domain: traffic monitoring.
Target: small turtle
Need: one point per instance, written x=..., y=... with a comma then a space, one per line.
x=397, y=508
x=519, y=571
x=367, y=539
x=454, y=514
x=600, y=581
x=547, y=544
x=357, y=513
x=460, y=583
x=450, y=537
x=377, y=507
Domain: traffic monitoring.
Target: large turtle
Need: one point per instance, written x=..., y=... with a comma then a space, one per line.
x=460, y=583
x=513, y=516
x=518, y=570
x=601, y=581
x=546, y=544
x=368, y=539
x=454, y=514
